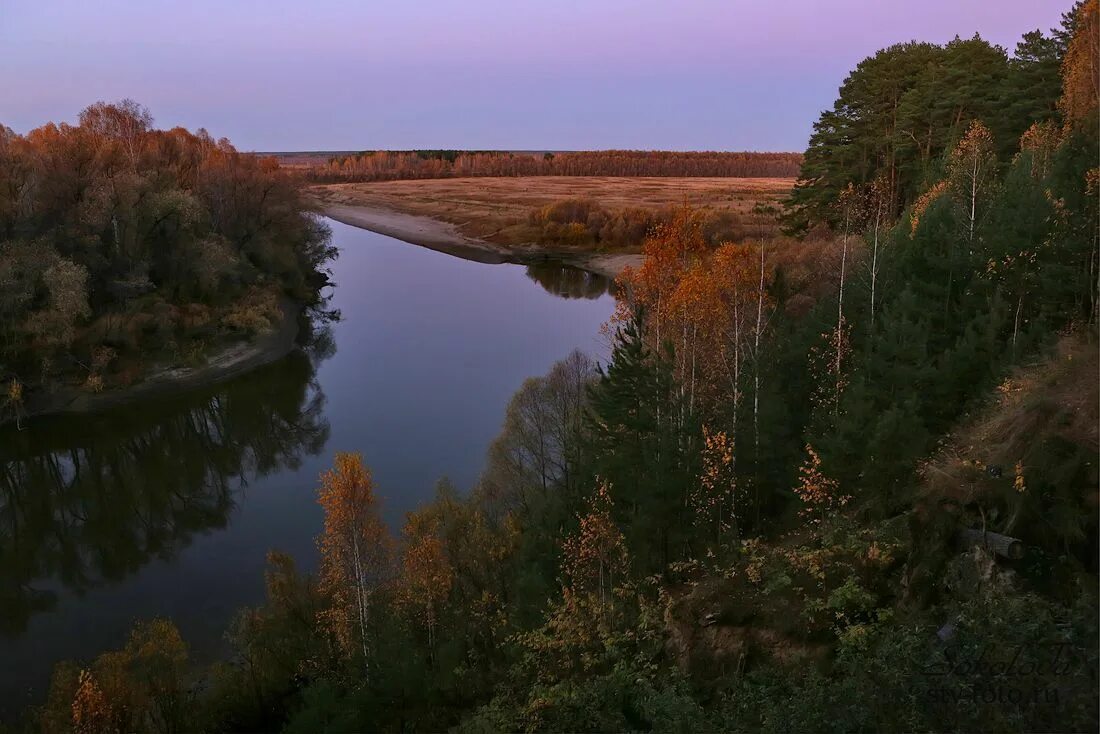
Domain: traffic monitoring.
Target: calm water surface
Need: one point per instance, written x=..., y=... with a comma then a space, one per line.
x=168, y=507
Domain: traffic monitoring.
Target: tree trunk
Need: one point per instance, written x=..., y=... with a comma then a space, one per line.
x=1016, y=324
x=756, y=391
x=840, y=316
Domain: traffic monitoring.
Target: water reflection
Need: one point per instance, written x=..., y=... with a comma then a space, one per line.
x=431, y=349
x=569, y=282
x=88, y=500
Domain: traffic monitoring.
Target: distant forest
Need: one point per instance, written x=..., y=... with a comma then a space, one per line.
x=385, y=165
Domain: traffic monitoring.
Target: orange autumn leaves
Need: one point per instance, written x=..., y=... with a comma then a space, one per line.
x=713, y=308
x=709, y=305
x=709, y=309
x=1081, y=67
x=426, y=573
x=361, y=563
x=595, y=556
x=355, y=551
x=819, y=493
x=714, y=499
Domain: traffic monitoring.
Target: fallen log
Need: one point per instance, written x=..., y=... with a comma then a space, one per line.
x=1001, y=545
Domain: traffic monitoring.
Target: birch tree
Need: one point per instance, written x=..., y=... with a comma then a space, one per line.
x=970, y=170
x=426, y=573
x=879, y=205
x=354, y=552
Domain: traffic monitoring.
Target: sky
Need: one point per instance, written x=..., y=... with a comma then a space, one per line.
x=275, y=75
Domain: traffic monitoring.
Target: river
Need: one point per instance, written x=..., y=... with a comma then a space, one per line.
x=168, y=507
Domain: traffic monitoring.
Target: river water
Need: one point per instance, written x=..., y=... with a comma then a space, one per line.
x=167, y=507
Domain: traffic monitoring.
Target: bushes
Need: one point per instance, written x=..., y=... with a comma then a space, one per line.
x=992, y=657
x=570, y=222
x=257, y=310
x=578, y=222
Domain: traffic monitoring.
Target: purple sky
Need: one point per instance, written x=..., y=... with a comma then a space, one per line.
x=508, y=74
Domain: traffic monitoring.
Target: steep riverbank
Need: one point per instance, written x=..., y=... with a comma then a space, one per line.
x=445, y=237
x=230, y=361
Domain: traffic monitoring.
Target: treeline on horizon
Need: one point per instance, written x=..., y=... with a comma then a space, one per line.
x=754, y=517
x=121, y=244
x=384, y=165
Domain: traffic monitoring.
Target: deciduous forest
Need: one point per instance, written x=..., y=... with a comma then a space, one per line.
x=121, y=245
x=389, y=165
x=844, y=480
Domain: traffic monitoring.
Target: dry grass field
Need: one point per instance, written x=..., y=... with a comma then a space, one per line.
x=498, y=210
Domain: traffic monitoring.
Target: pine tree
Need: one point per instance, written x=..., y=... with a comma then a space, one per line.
x=637, y=444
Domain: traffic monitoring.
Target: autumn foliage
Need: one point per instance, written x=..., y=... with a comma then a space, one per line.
x=594, y=558
x=115, y=235
x=393, y=165
x=818, y=492
x=355, y=552
x=749, y=515
x=426, y=574
x=144, y=686
x=715, y=499
x=1081, y=66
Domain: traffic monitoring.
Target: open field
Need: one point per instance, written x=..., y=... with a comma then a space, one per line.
x=498, y=210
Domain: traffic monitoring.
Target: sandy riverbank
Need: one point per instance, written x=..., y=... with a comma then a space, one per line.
x=232, y=360
x=445, y=237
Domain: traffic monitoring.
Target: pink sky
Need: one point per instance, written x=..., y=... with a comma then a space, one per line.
x=511, y=74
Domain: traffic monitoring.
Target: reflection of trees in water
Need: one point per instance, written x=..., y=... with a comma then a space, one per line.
x=88, y=499
x=567, y=281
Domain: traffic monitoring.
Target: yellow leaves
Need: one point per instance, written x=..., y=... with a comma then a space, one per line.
x=717, y=455
x=90, y=711
x=704, y=303
x=354, y=548
x=829, y=365
x=504, y=541
x=15, y=391
x=351, y=509
x=970, y=169
x=849, y=205
x=976, y=143
x=622, y=312
x=427, y=575
x=753, y=569
x=670, y=250
x=596, y=554
x=256, y=311
x=818, y=492
x=1081, y=67
x=1092, y=181
x=923, y=202
x=713, y=499
x=697, y=297
x=1040, y=140
x=1018, y=482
